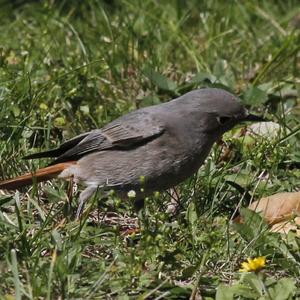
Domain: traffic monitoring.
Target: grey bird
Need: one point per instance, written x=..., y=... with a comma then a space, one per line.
x=164, y=144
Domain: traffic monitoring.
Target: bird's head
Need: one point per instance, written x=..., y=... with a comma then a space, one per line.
x=220, y=110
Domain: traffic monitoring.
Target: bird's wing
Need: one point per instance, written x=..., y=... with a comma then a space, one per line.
x=132, y=129
x=62, y=148
x=126, y=132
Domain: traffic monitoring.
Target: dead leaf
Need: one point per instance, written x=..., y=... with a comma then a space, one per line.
x=286, y=226
x=278, y=207
x=281, y=210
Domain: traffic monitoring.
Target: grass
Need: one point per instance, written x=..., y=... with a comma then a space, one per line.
x=69, y=66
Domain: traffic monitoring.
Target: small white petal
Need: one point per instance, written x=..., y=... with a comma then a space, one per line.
x=131, y=194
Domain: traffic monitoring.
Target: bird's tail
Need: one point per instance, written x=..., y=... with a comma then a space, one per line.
x=40, y=175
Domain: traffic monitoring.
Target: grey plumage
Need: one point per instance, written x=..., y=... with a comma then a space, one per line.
x=164, y=143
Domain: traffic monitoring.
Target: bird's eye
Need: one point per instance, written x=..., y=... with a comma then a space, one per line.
x=223, y=120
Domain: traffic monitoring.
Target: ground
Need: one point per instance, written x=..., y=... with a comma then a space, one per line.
x=70, y=66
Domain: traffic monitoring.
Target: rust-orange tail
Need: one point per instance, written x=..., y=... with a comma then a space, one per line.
x=40, y=175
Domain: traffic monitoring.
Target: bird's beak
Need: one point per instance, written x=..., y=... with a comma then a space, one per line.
x=254, y=118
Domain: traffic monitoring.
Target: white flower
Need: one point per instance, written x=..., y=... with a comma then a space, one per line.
x=131, y=194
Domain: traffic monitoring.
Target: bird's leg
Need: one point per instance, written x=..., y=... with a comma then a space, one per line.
x=70, y=190
x=84, y=196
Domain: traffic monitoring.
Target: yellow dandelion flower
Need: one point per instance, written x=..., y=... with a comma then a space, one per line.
x=253, y=265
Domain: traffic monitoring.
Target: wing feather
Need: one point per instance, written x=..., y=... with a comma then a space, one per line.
x=124, y=133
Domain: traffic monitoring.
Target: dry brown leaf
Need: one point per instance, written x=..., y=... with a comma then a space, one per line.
x=286, y=226
x=281, y=210
x=278, y=207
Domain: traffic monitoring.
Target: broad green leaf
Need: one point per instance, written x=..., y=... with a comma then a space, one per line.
x=203, y=76
x=253, y=224
x=283, y=290
x=254, y=96
x=160, y=80
x=224, y=292
x=149, y=100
